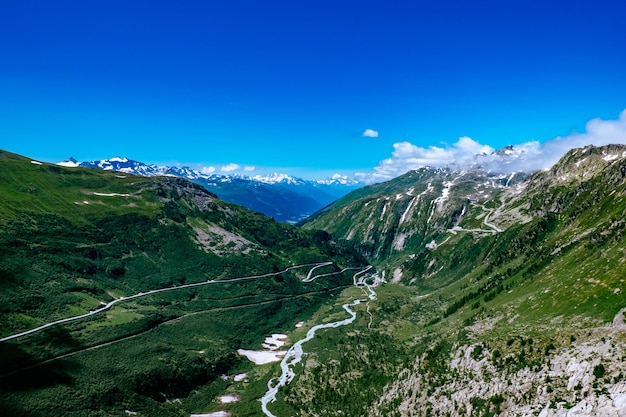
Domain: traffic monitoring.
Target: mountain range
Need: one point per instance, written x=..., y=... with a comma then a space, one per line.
x=518, y=286
x=487, y=294
x=280, y=196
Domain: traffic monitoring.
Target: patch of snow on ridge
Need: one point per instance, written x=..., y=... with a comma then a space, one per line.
x=382, y=215
x=610, y=158
x=445, y=194
x=408, y=208
x=36, y=162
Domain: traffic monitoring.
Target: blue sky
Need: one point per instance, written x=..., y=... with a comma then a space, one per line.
x=294, y=85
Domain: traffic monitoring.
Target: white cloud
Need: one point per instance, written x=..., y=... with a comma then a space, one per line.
x=370, y=133
x=230, y=168
x=539, y=156
x=249, y=168
x=207, y=170
x=533, y=155
x=598, y=132
x=407, y=157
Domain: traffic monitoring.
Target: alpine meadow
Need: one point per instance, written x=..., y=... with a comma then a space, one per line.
x=486, y=295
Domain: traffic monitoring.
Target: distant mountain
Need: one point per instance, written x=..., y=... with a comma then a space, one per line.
x=408, y=212
x=280, y=196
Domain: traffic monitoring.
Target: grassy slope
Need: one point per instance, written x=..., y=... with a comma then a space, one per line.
x=62, y=257
x=519, y=301
x=524, y=296
x=37, y=189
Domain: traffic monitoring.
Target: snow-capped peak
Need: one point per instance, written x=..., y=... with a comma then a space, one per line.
x=277, y=178
x=70, y=163
x=130, y=166
x=510, y=151
x=338, y=179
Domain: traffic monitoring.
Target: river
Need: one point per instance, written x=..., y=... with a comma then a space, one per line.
x=294, y=354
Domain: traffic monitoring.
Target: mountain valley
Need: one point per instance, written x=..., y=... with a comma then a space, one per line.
x=479, y=294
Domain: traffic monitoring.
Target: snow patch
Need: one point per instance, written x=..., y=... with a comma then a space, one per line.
x=445, y=194
x=397, y=275
x=262, y=357
x=215, y=414
x=271, y=354
x=36, y=162
x=274, y=341
x=227, y=399
x=111, y=195
x=240, y=377
x=408, y=208
x=382, y=215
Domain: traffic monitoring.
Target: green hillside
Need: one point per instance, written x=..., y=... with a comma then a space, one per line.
x=74, y=240
x=495, y=295
x=505, y=297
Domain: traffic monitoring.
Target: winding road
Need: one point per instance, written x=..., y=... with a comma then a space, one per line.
x=493, y=229
x=110, y=304
x=295, y=352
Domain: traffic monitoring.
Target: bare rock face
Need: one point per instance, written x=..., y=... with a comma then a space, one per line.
x=583, y=379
